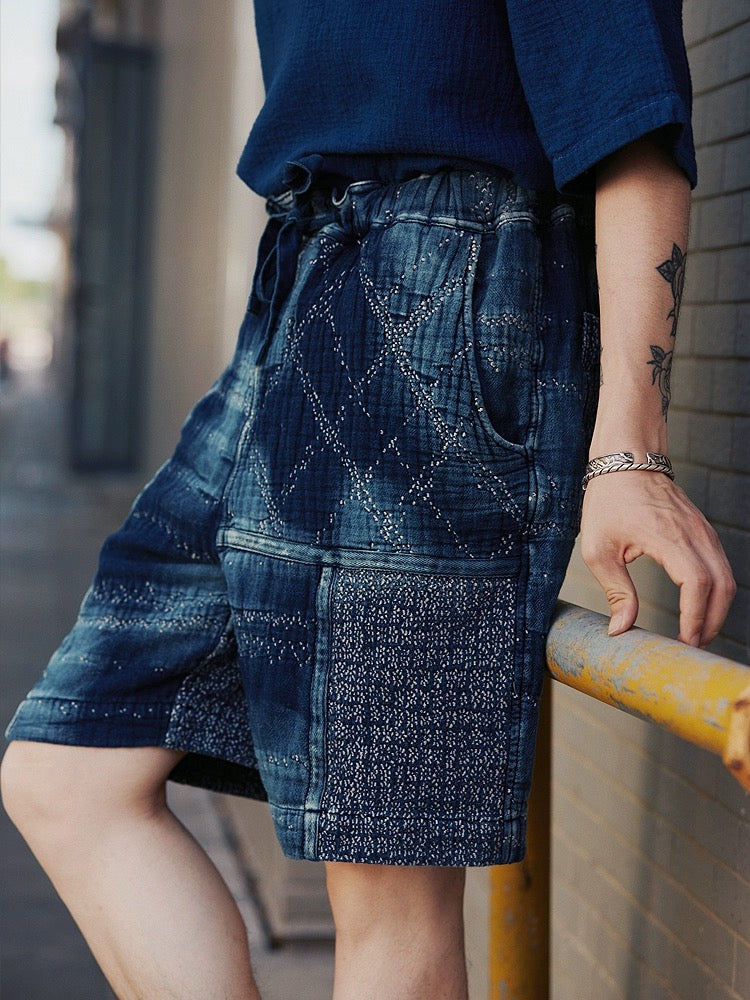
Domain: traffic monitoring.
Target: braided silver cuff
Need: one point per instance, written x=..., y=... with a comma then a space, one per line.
x=624, y=461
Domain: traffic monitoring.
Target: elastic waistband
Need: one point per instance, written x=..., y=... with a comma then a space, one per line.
x=465, y=199
x=471, y=199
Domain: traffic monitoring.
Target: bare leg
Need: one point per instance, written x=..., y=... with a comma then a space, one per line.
x=399, y=932
x=154, y=910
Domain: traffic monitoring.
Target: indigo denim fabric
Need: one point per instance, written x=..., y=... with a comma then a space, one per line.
x=335, y=594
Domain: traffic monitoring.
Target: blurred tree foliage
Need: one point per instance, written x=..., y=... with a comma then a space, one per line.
x=15, y=289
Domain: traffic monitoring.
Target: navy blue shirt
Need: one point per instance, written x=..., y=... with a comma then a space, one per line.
x=542, y=89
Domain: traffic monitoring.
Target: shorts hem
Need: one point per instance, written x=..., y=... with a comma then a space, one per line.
x=118, y=725
x=440, y=841
x=76, y=722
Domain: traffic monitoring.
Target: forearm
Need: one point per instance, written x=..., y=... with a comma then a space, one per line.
x=642, y=210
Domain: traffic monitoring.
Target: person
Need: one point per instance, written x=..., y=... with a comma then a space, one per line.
x=335, y=594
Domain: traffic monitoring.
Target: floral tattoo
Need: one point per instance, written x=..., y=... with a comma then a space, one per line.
x=661, y=373
x=673, y=271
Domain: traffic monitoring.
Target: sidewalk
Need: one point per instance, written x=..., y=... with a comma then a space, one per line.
x=51, y=526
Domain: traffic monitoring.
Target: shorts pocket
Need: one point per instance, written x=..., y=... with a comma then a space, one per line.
x=504, y=345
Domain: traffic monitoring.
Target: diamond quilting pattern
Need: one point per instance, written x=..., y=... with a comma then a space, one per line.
x=372, y=391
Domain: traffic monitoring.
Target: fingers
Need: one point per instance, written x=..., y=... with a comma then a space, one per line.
x=697, y=564
x=704, y=601
x=722, y=592
x=654, y=517
x=615, y=581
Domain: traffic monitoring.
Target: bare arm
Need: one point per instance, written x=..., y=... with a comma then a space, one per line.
x=642, y=209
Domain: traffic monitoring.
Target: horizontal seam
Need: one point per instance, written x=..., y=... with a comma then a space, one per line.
x=303, y=552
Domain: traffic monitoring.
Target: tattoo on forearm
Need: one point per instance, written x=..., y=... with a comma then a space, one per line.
x=673, y=271
x=661, y=374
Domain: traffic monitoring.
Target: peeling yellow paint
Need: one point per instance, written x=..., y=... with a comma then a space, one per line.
x=519, y=894
x=688, y=691
x=702, y=698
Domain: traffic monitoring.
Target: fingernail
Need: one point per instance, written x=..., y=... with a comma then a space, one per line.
x=615, y=624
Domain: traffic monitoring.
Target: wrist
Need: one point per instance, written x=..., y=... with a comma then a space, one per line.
x=617, y=429
x=638, y=444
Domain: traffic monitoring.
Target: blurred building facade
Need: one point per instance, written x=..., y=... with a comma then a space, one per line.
x=651, y=871
x=156, y=98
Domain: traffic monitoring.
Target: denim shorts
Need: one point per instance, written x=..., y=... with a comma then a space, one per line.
x=335, y=594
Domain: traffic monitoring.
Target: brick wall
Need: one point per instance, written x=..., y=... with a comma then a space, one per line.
x=651, y=853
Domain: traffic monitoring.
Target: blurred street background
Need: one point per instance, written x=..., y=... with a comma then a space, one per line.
x=51, y=525
x=62, y=487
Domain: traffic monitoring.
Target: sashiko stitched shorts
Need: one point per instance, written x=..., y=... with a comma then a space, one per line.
x=335, y=594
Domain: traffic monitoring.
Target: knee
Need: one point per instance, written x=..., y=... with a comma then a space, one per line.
x=52, y=790
x=399, y=931
x=381, y=900
x=27, y=792
x=38, y=788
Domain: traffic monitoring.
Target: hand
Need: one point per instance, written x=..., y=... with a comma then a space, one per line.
x=629, y=514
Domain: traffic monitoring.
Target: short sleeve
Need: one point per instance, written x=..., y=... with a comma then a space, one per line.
x=598, y=76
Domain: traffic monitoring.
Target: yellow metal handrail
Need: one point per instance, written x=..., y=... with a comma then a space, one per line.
x=701, y=697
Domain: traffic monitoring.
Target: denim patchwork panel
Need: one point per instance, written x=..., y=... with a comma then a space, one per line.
x=336, y=592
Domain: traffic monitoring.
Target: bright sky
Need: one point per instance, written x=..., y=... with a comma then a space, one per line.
x=31, y=146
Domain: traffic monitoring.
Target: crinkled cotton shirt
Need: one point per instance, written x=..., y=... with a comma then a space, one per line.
x=541, y=89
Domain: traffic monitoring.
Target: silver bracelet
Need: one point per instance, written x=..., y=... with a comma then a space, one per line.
x=624, y=461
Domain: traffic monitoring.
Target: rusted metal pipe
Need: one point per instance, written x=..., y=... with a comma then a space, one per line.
x=701, y=697
x=520, y=893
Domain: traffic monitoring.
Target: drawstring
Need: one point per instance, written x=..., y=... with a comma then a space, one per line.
x=277, y=266
x=300, y=211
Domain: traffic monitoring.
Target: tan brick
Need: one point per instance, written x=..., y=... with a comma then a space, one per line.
x=745, y=227
x=741, y=444
x=694, y=22
x=692, y=386
x=714, y=329
x=701, y=277
x=728, y=497
x=737, y=625
x=741, y=978
x=736, y=156
x=742, y=336
x=720, y=113
x=694, y=480
x=711, y=170
x=703, y=936
x=725, y=14
x=724, y=646
x=719, y=59
x=720, y=222
x=733, y=276
x=731, y=895
x=737, y=542
x=700, y=770
x=730, y=385
x=710, y=438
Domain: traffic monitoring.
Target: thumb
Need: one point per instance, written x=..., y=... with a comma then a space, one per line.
x=618, y=588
